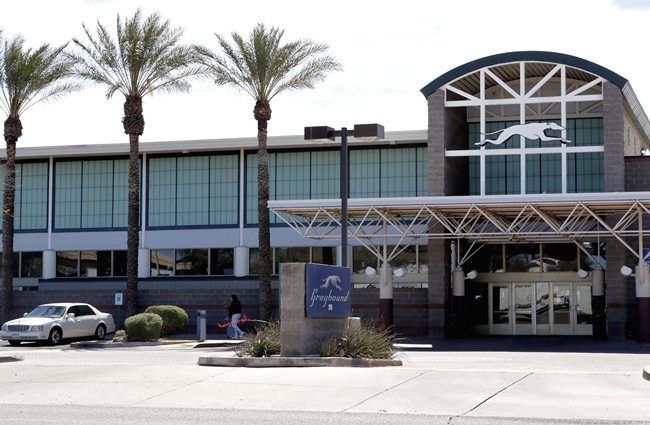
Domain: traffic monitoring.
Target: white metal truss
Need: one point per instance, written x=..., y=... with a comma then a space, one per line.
x=479, y=219
x=541, y=91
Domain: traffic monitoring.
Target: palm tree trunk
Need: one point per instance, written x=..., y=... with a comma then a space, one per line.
x=266, y=296
x=133, y=220
x=133, y=126
x=12, y=131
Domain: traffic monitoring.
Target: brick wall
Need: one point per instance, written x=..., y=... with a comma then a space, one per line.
x=410, y=304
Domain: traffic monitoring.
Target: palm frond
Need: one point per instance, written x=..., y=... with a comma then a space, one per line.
x=29, y=76
x=262, y=67
x=146, y=56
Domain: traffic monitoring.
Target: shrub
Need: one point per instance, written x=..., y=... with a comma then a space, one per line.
x=143, y=327
x=264, y=342
x=174, y=318
x=369, y=341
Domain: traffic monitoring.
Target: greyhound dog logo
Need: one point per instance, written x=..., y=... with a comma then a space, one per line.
x=533, y=130
x=332, y=280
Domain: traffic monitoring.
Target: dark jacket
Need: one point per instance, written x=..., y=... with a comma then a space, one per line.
x=234, y=307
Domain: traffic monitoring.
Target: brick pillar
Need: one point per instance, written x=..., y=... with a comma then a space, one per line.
x=616, y=286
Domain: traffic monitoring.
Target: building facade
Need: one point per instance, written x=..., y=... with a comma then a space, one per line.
x=517, y=128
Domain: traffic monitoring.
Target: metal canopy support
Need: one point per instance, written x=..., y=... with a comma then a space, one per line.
x=484, y=219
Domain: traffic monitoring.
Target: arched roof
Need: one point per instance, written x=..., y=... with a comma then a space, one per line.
x=505, y=66
x=524, y=56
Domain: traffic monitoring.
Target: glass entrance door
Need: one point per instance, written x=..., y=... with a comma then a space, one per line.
x=523, y=309
x=511, y=309
x=500, y=322
x=562, y=309
x=583, y=312
x=572, y=314
x=540, y=308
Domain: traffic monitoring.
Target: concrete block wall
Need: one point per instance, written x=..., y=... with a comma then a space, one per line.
x=614, y=136
x=410, y=315
x=637, y=173
x=410, y=305
x=188, y=294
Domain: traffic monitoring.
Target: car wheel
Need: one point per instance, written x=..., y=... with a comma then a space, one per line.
x=55, y=336
x=14, y=343
x=100, y=333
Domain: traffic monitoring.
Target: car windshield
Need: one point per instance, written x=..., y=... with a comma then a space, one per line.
x=47, y=311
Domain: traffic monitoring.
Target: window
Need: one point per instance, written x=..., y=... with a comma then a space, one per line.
x=84, y=310
x=502, y=175
x=162, y=262
x=27, y=264
x=375, y=172
x=585, y=172
x=543, y=171
x=90, y=263
x=323, y=255
x=31, y=264
x=31, y=195
x=222, y=261
x=91, y=194
x=67, y=264
x=413, y=259
x=290, y=255
x=192, y=262
x=316, y=254
x=193, y=191
x=96, y=263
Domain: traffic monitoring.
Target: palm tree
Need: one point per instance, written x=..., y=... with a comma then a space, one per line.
x=146, y=57
x=27, y=76
x=263, y=68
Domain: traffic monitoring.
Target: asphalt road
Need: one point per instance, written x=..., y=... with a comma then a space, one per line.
x=453, y=382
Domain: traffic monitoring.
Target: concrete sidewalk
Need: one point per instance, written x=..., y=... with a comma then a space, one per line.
x=554, y=380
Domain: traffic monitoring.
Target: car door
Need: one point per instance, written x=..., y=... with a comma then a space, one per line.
x=88, y=320
x=70, y=325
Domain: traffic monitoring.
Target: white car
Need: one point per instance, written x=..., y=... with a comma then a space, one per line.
x=53, y=322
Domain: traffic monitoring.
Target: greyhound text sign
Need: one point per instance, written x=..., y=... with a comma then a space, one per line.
x=327, y=291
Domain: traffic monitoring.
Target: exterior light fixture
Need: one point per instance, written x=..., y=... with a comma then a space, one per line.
x=397, y=273
x=371, y=271
x=626, y=271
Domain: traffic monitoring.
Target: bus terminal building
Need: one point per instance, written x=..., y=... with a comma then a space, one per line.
x=521, y=210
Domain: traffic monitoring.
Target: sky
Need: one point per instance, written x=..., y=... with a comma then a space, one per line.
x=389, y=51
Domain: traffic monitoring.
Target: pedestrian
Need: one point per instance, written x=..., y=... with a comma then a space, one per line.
x=234, y=311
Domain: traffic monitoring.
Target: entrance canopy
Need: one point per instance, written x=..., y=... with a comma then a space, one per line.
x=479, y=219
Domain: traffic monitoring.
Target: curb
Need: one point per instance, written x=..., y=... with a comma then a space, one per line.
x=294, y=362
x=11, y=358
x=646, y=373
x=124, y=344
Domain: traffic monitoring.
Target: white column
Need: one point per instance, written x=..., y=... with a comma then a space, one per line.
x=642, y=281
x=241, y=261
x=144, y=263
x=459, y=282
x=386, y=282
x=598, y=282
x=49, y=264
